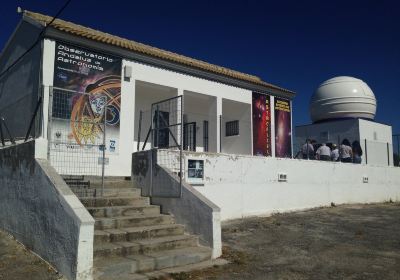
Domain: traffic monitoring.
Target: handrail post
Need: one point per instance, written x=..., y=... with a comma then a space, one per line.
x=140, y=129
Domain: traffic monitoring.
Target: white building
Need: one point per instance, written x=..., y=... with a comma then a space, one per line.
x=344, y=108
x=70, y=60
x=237, y=128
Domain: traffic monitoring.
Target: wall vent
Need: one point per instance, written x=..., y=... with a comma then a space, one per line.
x=282, y=177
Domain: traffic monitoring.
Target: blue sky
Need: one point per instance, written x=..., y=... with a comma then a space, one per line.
x=293, y=44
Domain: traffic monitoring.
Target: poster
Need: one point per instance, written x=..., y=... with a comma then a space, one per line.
x=195, y=171
x=261, y=125
x=88, y=91
x=283, y=128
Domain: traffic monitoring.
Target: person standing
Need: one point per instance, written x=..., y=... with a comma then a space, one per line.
x=357, y=152
x=334, y=153
x=346, y=152
x=323, y=153
x=307, y=150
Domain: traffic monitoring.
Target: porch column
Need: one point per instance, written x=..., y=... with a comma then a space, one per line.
x=179, y=118
x=215, y=112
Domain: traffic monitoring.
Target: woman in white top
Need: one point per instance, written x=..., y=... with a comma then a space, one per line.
x=346, y=153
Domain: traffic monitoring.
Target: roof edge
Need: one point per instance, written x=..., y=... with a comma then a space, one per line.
x=109, y=41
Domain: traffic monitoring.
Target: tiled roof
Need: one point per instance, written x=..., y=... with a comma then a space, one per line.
x=106, y=38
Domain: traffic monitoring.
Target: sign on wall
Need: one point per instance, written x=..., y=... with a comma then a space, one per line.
x=283, y=128
x=99, y=76
x=195, y=171
x=261, y=125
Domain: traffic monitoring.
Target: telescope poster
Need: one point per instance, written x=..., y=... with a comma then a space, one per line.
x=87, y=93
x=283, y=128
x=261, y=124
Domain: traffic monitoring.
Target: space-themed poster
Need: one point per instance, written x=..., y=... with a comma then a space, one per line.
x=283, y=128
x=261, y=124
x=86, y=94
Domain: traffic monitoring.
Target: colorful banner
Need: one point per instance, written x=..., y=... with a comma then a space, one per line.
x=283, y=128
x=261, y=125
x=99, y=76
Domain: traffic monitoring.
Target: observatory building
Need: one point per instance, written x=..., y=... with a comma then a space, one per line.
x=344, y=108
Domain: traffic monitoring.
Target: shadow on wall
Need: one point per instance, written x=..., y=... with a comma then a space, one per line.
x=41, y=212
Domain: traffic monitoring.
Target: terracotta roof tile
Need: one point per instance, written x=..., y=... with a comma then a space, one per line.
x=89, y=33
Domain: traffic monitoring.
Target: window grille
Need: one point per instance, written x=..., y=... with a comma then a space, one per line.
x=232, y=128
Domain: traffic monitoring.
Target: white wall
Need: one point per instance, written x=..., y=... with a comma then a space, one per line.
x=354, y=129
x=197, y=109
x=378, y=137
x=246, y=185
x=120, y=163
x=337, y=130
x=238, y=144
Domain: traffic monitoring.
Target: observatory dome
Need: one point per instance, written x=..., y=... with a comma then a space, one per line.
x=342, y=97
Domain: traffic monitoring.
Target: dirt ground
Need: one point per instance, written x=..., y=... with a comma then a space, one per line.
x=344, y=242
x=17, y=263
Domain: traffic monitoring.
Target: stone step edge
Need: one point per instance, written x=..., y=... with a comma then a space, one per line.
x=120, y=207
x=133, y=216
x=165, y=273
x=138, y=229
x=99, y=234
x=185, y=268
x=147, y=242
x=103, y=262
x=113, y=197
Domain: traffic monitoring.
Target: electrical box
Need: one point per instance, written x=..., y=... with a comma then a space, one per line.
x=282, y=177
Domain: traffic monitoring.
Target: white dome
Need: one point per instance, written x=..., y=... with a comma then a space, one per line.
x=342, y=97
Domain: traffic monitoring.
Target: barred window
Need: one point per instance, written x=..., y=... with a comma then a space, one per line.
x=232, y=128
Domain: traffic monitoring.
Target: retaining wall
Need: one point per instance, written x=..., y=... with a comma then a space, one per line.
x=41, y=212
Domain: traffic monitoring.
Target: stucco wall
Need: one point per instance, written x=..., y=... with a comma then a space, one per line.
x=199, y=215
x=40, y=211
x=246, y=185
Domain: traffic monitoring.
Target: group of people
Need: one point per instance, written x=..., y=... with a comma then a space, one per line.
x=346, y=152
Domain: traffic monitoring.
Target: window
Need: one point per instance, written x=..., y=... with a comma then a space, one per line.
x=232, y=128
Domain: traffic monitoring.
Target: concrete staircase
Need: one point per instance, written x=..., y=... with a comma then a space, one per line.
x=132, y=239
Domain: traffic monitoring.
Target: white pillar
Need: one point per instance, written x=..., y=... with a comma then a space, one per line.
x=180, y=111
x=219, y=123
x=48, y=56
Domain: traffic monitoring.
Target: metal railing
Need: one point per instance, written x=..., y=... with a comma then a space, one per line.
x=77, y=133
x=343, y=150
x=165, y=131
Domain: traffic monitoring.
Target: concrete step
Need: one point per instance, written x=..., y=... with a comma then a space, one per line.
x=118, y=191
x=132, y=221
x=145, y=246
x=136, y=233
x=114, y=201
x=109, y=182
x=171, y=258
x=134, y=264
x=113, y=211
x=165, y=273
